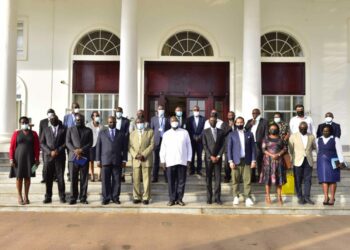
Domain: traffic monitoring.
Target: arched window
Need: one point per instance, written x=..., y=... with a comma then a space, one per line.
x=280, y=44
x=98, y=42
x=187, y=43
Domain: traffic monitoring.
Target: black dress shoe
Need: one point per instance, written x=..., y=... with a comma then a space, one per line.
x=219, y=202
x=47, y=200
x=63, y=200
x=226, y=181
x=105, y=203
x=200, y=173
x=117, y=202
x=84, y=202
x=123, y=178
x=136, y=201
x=154, y=180
x=301, y=201
x=192, y=173
x=171, y=203
x=181, y=203
x=72, y=202
x=209, y=202
x=42, y=181
x=309, y=201
x=145, y=202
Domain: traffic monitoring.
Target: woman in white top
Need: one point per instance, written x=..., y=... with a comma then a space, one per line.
x=96, y=127
x=329, y=149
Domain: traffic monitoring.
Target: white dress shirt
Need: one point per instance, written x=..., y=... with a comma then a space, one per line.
x=54, y=130
x=304, y=139
x=242, y=142
x=218, y=123
x=296, y=120
x=255, y=127
x=176, y=148
x=196, y=120
x=338, y=147
x=119, y=123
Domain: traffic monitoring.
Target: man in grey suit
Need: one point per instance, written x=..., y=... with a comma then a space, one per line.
x=111, y=155
x=79, y=141
x=160, y=124
x=213, y=144
x=53, y=145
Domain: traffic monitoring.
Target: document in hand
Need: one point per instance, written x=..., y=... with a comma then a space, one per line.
x=81, y=161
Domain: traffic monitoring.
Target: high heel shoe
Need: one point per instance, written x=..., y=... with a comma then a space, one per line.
x=325, y=203
x=20, y=201
x=331, y=204
x=26, y=202
x=267, y=200
x=280, y=200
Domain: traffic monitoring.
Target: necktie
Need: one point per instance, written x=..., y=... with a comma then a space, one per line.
x=112, y=134
x=55, y=132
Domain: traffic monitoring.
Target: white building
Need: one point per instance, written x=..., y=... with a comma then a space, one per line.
x=229, y=54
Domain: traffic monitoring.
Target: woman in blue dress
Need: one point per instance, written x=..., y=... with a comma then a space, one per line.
x=329, y=147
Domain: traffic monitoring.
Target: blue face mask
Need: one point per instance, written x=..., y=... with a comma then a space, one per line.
x=178, y=113
x=140, y=126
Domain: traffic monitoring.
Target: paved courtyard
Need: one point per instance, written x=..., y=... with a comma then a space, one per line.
x=25, y=230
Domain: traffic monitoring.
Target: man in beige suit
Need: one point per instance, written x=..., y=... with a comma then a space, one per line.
x=301, y=145
x=141, y=145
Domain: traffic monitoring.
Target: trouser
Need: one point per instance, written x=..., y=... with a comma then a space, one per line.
x=156, y=162
x=300, y=173
x=216, y=168
x=227, y=169
x=146, y=175
x=74, y=172
x=55, y=166
x=111, y=182
x=242, y=170
x=197, y=149
x=176, y=182
x=259, y=159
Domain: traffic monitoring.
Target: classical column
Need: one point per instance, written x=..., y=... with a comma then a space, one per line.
x=8, y=43
x=128, y=93
x=251, y=89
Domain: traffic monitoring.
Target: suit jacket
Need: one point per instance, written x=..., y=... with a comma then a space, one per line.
x=234, y=147
x=155, y=126
x=111, y=152
x=44, y=123
x=83, y=141
x=193, y=130
x=297, y=150
x=183, y=123
x=261, y=131
x=212, y=147
x=335, y=126
x=68, y=120
x=144, y=148
x=124, y=128
x=49, y=143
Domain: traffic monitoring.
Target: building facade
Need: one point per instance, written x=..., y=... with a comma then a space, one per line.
x=224, y=54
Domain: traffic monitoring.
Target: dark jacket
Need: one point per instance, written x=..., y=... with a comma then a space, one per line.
x=155, y=126
x=211, y=147
x=261, y=131
x=48, y=143
x=83, y=141
x=335, y=126
x=193, y=130
x=234, y=147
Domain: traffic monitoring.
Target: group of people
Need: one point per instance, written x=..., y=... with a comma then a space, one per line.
x=252, y=151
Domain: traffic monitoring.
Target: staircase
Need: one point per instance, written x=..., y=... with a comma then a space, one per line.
x=195, y=198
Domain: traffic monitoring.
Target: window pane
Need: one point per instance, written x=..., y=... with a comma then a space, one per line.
x=284, y=103
x=268, y=116
x=104, y=116
x=20, y=39
x=79, y=99
x=298, y=100
x=116, y=101
x=91, y=101
x=201, y=105
x=286, y=116
x=270, y=103
x=106, y=102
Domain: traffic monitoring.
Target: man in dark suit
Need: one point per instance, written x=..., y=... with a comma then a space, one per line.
x=241, y=154
x=259, y=127
x=122, y=124
x=160, y=124
x=69, y=119
x=195, y=126
x=213, y=144
x=44, y=123
x=53, y=144
x=227, y=127
x=180, y=117
x=329, y=120
x=79, y=140
x=111, y=155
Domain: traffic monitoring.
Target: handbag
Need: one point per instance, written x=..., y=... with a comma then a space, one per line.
x=287, y=161
x=288, y=188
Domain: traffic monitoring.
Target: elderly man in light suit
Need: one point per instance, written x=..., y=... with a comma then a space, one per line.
x=141, y=145
x=301, y=145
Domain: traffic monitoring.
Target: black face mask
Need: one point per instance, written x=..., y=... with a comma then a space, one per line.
x=273, y=131
x=239, y=127
x=54, y=122
x=303, y=131
x=79, y=124
x=112, y=126
x=231, y=119
x=300, y=113
x=213, y=125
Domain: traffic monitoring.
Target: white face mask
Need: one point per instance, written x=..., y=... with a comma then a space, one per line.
x=140, y=126
x=174, y=124
x=328, y=119
x=196, y=113
x=97, y=119
x=160, y=112
x=76, y=110
x=49, y=115
x=277, y=119
x=119, y=114
x=25, y=126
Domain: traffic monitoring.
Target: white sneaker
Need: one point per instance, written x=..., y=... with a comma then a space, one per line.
x=249, y=202
x=236, y=200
